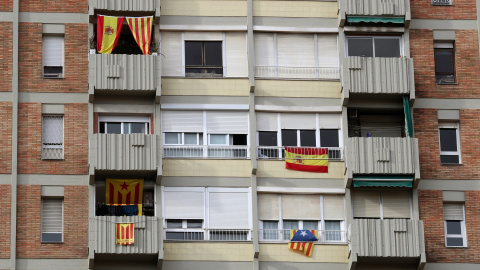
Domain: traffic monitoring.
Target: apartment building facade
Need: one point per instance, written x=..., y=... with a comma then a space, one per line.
x=197, y=134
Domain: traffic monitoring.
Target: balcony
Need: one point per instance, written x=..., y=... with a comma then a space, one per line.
x=387, y=241
x=307, y=73
x=226, y=235
x=278, y=152
x=121, y=74
x=283, y=236
x=144, y=6
x=206, y=151
x=375, y=11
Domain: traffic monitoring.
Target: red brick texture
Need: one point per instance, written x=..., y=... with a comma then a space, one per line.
x=75, y=60
x=75, y=141
x=431, y=212
x=467, y=65
x=6, y=5
x=6, y=52
x=75, y=225
x=5, y=190
x=67, y=6
x=6, y=137
x=426, y=130
x=460, y=10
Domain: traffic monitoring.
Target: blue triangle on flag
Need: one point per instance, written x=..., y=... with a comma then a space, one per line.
x=303, y=236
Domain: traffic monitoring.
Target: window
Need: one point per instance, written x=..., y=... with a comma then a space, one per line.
x=52, y=137
x=454, y=216
x=442, y=2
x=124, y=124
x=374, y=46
x=449, y=143
x=182, y=234
x=203, y=58
x=52, y=220
x=383, y=204
x=444, y=62
x=52, y=52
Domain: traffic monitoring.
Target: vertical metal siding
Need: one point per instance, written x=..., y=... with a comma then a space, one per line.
x=376, y=7
x=380, y=75
x=382, y=155
x=126, y=5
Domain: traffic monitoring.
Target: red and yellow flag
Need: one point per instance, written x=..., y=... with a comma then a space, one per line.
x=125, y=192
x=125, y=234
x=142, y=31
x=306, y=159
x=306, y=247
x=108, y=32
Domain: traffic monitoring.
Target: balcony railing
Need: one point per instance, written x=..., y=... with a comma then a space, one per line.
x=230, y=235
x=442, y=2
x=206, y=151
x=283, y=236
x=314, y=73
x=278, y=152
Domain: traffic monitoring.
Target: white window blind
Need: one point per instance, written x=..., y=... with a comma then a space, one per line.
x=301, y=207
x=330, y=121
x=52, y=137
x=266, y=121
x=396, y=204
x=204, y=36
x=171, y=48
x=295, y=50
x=333, y=207
x=366, y=204
x=268, y=207
x=182, y=121
x=236, y=54
x=52, y=220
x=223, y=122
x=453, y=211
x=52, y=50
x=228, y=210
x=264, y=50
x=184, y=204
x=327, y=50
x=298, y=121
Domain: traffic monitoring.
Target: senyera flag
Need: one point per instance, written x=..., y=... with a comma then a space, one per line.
x=302, y=240
x=125, y=192
x=108, y=32
x=125, y=233
x=306, y=159
x=142, y=31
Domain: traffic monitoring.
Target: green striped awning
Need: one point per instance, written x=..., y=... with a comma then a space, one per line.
x=375, y=20
x=382, y=181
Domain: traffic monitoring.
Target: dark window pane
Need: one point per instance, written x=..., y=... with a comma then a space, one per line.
x=307, y=138
x=387, y=47
x=449, y=159
x=137, y=127
x=329, y=138
x=51, y=237
x=193, y=53
x=360, y=47
x=289, y=137
x=448, y=139
x=454, y=227
x=239, y=139
x=194, y=223
x=444, y=61
x=267, y=138
x=174, y=223
x=102, y=127
x=213, y=53
x=114, y=128
x=454, y=242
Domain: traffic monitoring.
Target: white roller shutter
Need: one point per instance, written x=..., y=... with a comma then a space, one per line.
x=52, y=51
x=171, y=49
x=184, y=204
x=182, y=121
x=52, y=215
x=330, y=121
x=298, y=121
x=264, y=50
x=267, y=121
x=366, y=204
x=301, y=207
x=327, y=50
x=396, y=204
x=228, y=210
x=236, y=54
x=453, y=211
x=333, y=207
x=295, y=50
x=224, y=122
x=204, y=36
x=268, y=207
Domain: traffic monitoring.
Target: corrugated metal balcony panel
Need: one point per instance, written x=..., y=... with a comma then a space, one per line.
x=125, y=72
x=387, y=238
x=376, y=7
x=146, y=235
x=380, y=75
x=125, y=151
x=382, y=155
x=125, y=5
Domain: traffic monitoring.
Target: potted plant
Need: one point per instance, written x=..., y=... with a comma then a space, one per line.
x=154, y=46
x=92, y=45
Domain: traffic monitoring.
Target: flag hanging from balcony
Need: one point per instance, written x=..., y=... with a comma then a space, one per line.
x=125, y=233
x=302, y=240
x=125, y=192
x=108, y=32
x=306, y=159
x=142, y=31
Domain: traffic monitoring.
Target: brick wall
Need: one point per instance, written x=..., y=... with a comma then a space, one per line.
x=426, y=130
x=431, y=212
x=6, y=137
x=460, y=10
x=75, y=60
x=75, y=140
x=467, y=65
x=6, y=51
x=68, y=6
x=5, y=221
x=75, y=226
x=6, y=5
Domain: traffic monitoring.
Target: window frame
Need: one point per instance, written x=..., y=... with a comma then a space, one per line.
x=399, y=38
x=42, y=215
x=48, y=146
x=462, y=235
x=204, y=66
x=55, y=75
x=455, y=126
x=381, y=206
x=182, y=138
x=123, y=120
x=445, y=46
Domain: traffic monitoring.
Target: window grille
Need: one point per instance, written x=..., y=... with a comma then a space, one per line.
x=442, y=2
x=52, y=137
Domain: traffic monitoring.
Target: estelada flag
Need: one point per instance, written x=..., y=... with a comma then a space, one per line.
x=125, y=192
x=125, y=234
x=108, y=32
x=142, y=31
x=306, y=159
x=302, y=240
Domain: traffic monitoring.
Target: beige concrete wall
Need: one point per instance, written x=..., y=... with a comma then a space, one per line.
x=298, y=9
x=207, y=167
x=321, y=253
x=239, y=252
x=205, y=87
x=276, y=168
x=205, y=7
x=278, y=88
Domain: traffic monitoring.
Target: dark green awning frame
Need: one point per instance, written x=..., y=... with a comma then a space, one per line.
x=375, y=20
x=408, y=117
x=382, y=181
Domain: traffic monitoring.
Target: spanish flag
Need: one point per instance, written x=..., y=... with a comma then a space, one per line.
x=302, y=240
x=306, y=159
x=108, y=32
x=125, y=192
x=142, y=31
x=125, y=234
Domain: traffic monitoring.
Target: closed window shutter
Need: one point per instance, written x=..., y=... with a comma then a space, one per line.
x=52, y=220
x=298, y=121
x=453, y=211
x=222, y=122
x=184, y=204
x=52, y=51
x=331, y=121
x=264, y=50
x=295, y=50
x=333, y=207
x=366, y=204
x=268, y=207
x=182, y=121
x=52, y=130
x=236, y=54
x=396, y=204
x=327, y=50
x=171, y=48
x=301, y=207
x=267, y=121
x=228, y=210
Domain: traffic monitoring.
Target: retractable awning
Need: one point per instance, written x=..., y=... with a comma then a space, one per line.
x=382, y=181
x=375, y=20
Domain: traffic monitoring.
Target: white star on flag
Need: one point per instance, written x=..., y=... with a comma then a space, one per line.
x=303, y=233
